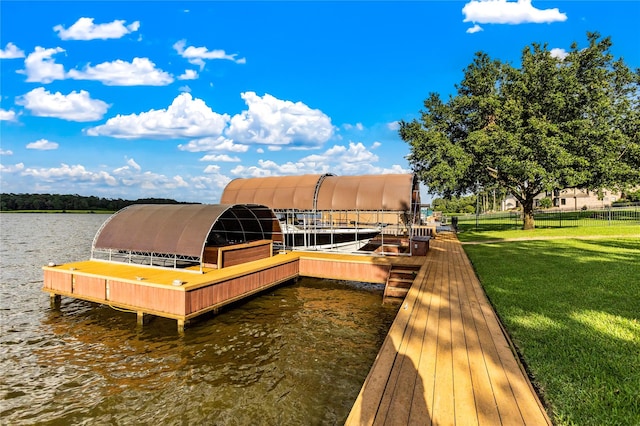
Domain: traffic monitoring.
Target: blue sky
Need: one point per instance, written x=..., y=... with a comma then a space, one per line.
x=174, y=99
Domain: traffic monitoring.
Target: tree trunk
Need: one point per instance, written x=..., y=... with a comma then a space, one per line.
x=527, y=211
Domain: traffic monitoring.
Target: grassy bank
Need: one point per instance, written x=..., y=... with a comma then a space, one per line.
x=572, y=308
x=577, y=232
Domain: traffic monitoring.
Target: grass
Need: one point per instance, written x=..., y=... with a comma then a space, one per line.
x=552, y=219
x=572, y=308
x=590, y=231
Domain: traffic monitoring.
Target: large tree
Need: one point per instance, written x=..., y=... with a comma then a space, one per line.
x=555, y=122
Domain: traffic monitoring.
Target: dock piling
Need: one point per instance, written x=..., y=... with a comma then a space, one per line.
x=55, y=300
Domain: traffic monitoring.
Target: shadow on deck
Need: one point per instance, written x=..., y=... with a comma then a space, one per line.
x=446, y=359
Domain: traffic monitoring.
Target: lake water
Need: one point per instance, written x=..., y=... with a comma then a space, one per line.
x=295, y=355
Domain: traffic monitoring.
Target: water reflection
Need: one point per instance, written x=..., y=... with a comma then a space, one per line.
x=295, y=355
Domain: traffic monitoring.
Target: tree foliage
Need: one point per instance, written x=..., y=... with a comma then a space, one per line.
x=12, y=202
x=455, y=204
x=553, y=123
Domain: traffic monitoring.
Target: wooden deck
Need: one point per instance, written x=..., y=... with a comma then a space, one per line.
x=184, y=294
x=446, y=360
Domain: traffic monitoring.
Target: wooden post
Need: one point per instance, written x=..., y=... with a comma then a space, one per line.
x=140, y=318
x=55, y=300
x=181, y=324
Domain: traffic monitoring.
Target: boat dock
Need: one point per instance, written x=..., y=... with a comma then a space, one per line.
x=183, y=294
x=446, y=359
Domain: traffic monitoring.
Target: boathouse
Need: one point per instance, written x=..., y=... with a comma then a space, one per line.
x=180, y=261
x=187, y=235
x=324, y=211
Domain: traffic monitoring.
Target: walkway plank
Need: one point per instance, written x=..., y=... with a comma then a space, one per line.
x=446, y=359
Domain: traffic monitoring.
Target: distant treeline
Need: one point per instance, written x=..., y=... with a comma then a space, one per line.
x=12, y=202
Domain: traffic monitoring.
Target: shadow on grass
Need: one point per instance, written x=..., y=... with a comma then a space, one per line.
x=573, y=310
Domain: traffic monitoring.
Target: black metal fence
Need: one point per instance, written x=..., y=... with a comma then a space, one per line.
x=612, y=216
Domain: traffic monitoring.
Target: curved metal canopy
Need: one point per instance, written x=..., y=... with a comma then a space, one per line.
x=277, y=192
x=390, y=192
x=184, y=229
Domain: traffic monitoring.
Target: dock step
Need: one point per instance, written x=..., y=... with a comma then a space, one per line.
x=400, y=280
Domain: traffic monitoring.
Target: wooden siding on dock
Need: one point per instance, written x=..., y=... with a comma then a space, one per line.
x=150, y=289
x=148, y=299
x=207, y=298
x=56, y=281
x=341, y=270
x=94, y=287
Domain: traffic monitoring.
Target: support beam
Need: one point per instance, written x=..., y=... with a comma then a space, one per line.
x=181, y=324
x=141, y=318
x=55, y=300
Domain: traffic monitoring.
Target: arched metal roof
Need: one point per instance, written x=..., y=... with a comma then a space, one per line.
x=183, y=229
x=390, y=192
x=277, y=192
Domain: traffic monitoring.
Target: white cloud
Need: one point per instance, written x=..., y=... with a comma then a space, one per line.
x=475, y=29
x=351, y=160
x=375, y=145
x=12, y=168
x=209, y=182
x=188, y=75
x=558, y=53
x=132, y=176
x=219, y=143
x=186, y=117
x=76, y=173
x=197, y=55
x=509, y=12
x=85, y=29
x=393, y=126
x=184, y=88
x=139, y=72
x=7, y=115
x=221, y=157
x=357, y=126
x=343, y=160
x=40, y=67
x=42, y=145
x=266, y=168
x=73, y=107
x=273, y=121
x=11, y=51
x=132, y=163
x=212, y=168
x=6, y=152
x=150, y=181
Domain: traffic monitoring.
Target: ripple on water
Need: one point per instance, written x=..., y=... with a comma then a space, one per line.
x=297, y=354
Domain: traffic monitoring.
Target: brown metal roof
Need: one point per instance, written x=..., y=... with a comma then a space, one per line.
x=392, y=192
x=277, y=192
x=179, y=229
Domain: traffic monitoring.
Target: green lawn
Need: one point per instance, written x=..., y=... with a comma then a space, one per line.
x=572, y=308
x=580, y=232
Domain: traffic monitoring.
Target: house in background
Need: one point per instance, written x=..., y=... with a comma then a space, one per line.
x=570, y=199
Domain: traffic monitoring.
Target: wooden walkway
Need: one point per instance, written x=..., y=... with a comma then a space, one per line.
x=446, y=360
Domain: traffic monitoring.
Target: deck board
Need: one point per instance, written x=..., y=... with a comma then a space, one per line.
x=446, y=359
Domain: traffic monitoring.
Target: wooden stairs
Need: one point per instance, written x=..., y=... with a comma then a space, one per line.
x=400, y=280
